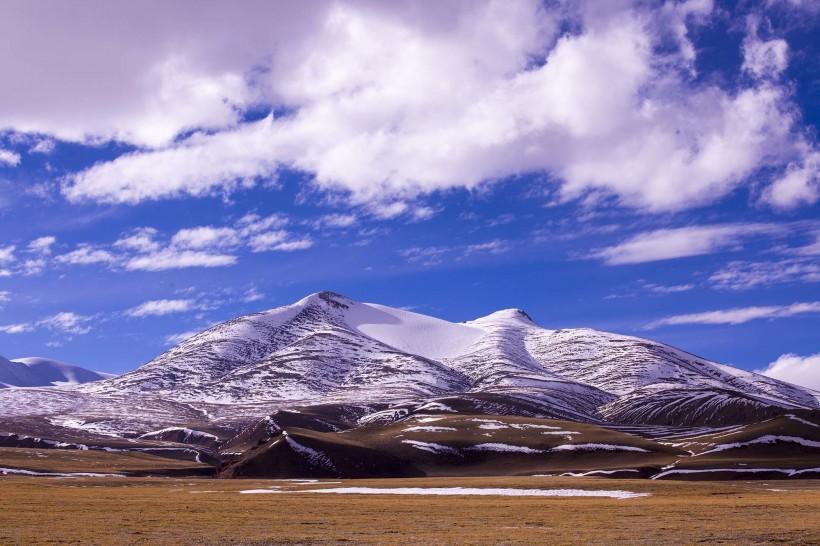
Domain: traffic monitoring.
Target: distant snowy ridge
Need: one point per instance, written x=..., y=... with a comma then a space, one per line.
x=43, y=372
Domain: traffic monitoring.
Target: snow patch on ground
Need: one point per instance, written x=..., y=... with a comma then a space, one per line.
x=787, y=471
x=767, y=439
x=429, y=429
x=503, y=447
x=481, y=491
x=596, y=472
x=431, y=447
x=801, y=420
x=597, y=447
x=19, y=471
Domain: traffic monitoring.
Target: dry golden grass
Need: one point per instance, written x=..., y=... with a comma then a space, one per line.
x=201, y=511
x=72, y=460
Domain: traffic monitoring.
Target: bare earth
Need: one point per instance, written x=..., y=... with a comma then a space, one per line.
x=206, y=511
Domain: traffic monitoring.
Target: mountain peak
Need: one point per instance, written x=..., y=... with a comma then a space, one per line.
x=506, y=315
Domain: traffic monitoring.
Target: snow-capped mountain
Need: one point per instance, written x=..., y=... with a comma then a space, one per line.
x=327, y=348
x=329, y=386
x=43, y=372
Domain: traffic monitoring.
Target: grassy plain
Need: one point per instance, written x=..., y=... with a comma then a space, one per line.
x=209, y=511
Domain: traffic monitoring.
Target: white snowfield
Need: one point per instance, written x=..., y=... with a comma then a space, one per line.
x=479, y=491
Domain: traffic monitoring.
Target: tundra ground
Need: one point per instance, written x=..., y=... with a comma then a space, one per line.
x=37, y=510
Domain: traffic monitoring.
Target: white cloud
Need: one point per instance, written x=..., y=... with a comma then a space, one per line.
x=20, y=328
x=337, y=220
x=251, y=295
x=800, y=370
x=43, y=146
x=395, y=100
x=205, y=237
x=173, y=259
x=42, y=245
x=67, y=322
x=5, y=296
x=160, y=308
x=667, y=244
x=86, y=254
x=740, y=315
x=668, y=289
x=7, y=254
x=140, y=239
x=741, y=275
x=798, y=185
x=435, y=255
x=291, y=245
x=176, y=339
x=764, y=59
x=9, y=158
x=33, y=266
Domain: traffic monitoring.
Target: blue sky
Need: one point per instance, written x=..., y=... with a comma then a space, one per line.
x=649, y=169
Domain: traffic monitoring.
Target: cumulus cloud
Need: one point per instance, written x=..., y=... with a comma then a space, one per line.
x=67, y=322
x=140, y=239
x=42, y=245
x=160, y=308
x=177, y=259
x=145, y=249
x=798, y=185
x=86, y=254
x=800, y=370
x=205, y=237
x=667, y=244
x=20, y=328
x=740, y=315
x=9, y=158
x=389, y=101
x=7, y=254
x=764, y=58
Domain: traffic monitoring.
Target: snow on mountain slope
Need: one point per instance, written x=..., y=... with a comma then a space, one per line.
x=43, y=372
x=620, y=364
x=411, y=332
x=329, y=349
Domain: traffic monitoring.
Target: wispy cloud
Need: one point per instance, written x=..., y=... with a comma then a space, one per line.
x=433, y=255
x=176, y=339
x=161, y=308
x=740, y=315
x=744, y=275
x=668, y=244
